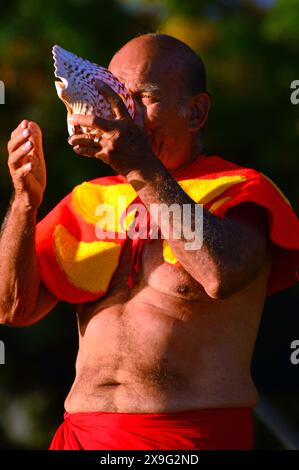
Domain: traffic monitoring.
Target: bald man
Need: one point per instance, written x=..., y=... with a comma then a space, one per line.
x=164, y=363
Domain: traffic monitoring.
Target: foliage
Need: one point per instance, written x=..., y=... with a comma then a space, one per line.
x=251, y=55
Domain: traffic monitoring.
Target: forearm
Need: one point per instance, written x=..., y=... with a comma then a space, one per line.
x=229, y=256
x=19, y=276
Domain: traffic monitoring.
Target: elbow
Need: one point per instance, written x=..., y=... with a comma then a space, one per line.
x=224, y=287
x=7, y=310
x=217, y=291
x=6, y=319
x=214, y=286
x=10, y=321
x=5, y=314
x=221, y=287
x=10, y=317
x=227, y=279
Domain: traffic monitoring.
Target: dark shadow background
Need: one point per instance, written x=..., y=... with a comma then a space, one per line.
x=251, y=53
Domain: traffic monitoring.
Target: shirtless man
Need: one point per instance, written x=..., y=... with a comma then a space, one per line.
x=182, y=338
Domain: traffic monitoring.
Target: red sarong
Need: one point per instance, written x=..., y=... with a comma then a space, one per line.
x=208, y=429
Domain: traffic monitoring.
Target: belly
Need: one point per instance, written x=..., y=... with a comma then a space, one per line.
x=156, y=353
x=164, y=345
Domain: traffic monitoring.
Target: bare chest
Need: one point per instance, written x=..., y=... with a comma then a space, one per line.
x=163, y=297
x=165, y=331
x=154, y=272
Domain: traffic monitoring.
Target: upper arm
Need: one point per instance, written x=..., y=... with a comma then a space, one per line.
x=253, y=220
x=249, y=247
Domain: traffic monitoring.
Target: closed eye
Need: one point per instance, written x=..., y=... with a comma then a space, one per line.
x=147, y=96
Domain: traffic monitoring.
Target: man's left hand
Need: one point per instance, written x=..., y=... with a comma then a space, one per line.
x=119, y=142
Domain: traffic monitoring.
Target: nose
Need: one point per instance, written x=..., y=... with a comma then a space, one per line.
x=139, y=116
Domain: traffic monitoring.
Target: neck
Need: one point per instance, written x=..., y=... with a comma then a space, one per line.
x=195, y=152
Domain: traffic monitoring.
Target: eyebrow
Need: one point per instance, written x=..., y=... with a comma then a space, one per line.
x=148, y=87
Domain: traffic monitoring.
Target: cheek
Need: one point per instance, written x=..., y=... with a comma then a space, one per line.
x=156, y=116
x=166, y=124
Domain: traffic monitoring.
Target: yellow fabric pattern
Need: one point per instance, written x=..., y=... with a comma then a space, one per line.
x=168, y=253
x=205, y=190
x=219, y=203
x=103, y=206
x=202, y=191
x=83, y=263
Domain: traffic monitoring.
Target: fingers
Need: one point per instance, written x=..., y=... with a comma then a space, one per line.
x=114, y=99
x=26, y=162
x=15, y=158
x=23, y=124
x=87, y=151
x=83, y=144
x=93, y=122
x=95, y=152
x=83, y=140
x=35, y=130
x=20, y=137
x=25, y=131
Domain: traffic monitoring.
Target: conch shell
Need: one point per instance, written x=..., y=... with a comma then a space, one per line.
x=77, y=87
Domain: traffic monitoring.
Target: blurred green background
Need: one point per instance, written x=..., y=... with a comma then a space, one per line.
x=251, y=53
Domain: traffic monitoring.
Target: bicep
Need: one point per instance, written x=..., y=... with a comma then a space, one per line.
x=252, y=219
x=248, y=246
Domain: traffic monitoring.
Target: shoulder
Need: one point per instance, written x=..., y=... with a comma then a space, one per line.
x=103, y=180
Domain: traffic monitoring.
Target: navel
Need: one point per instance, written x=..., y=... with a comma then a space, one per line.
x=183, y=289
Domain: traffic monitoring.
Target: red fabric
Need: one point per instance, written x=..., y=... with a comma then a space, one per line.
x=50, y=271
x=209, y=429
x=283, y=226
x=283, y=223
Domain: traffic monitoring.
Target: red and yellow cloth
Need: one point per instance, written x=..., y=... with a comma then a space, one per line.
x=77, y=266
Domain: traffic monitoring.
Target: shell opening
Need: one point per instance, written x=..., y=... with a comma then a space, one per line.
x=62, y=84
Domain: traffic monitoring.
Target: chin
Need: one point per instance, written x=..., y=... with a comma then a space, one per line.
x=173, y=164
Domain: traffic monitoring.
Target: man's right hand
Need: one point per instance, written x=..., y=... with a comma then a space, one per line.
x=27, y=164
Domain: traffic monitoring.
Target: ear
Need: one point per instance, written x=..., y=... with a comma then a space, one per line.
x=199, y=111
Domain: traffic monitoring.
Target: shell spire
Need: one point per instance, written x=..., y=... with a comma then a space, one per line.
x=76, y=86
